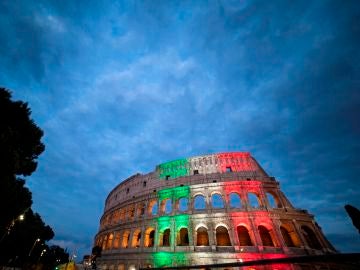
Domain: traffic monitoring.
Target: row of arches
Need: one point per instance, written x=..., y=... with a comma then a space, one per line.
x=245, y=237
x=199, y=202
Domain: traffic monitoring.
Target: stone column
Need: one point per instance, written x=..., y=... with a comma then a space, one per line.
x=172, y=235
x=277, y=233
x=255, y=232
x=298, y=231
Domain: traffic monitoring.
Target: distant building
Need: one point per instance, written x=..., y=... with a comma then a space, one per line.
x=203, y=210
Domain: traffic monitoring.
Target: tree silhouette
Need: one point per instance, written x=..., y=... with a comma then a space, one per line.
x=20, y=146
x=354, y=214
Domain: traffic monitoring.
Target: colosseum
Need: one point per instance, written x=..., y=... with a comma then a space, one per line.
x=208, y=209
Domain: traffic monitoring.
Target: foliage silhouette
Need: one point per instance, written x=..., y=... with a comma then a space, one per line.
x=20, y=227
x=354, y=214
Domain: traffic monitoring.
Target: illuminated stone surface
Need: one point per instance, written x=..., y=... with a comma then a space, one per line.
x=259, y=222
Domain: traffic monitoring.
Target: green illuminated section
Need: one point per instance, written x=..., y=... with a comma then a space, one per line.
x=181, y=221
x=163, y=223
x=162, y=259
x=174, y=169
x=174, y=193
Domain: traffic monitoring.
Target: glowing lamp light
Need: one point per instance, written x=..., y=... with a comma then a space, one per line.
x=21, y=217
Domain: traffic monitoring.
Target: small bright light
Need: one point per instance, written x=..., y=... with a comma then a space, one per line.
x=21, y=217
x=241, y=260
x=37, y=240
x=241, y=249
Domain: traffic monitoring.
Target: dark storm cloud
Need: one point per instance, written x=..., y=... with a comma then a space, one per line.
x=120, y=87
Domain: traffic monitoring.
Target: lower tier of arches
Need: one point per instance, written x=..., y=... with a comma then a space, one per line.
x=134, y=261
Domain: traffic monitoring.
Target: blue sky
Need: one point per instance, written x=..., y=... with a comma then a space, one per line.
x=119, y=87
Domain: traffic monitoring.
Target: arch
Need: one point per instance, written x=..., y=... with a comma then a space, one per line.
x=166, y=238
x=125, y=239
x=104, y=242
x=121, y=266
x=253, y=200
x=265, y=236
x=286, y=236
x=217, y=201
x=166, y=206
x=310, y=237
x=183, y=204
x=153, y=207
x=199, y=202
x=234, y=199
x=116, y=243
x=140, y=209
x=201, y=225
x=222, y=236
x=131, y=211
x=136, y=238
x=122, y=214
x=202, y=238
x=244, y=236
x=183, y=237
x=116, y=216
x=149, y=237
x=273, y=200
x=98, y=241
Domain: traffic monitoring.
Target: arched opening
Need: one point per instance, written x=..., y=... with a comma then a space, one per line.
x=104, y=242
x=121, y=267
x=149, y=237
x=183, y=204
x=235, y=201
x=244, y=237
x=265, y=236
x=136, y=239
x=117, y=240
x=183, y=237
x=141, y=209
x=155, y=209
x=202, y=237
x=166, y=206
x=116, y=216
x=122, y=214
x=253, y=200
x=217, y=201
x=152, y=207
x=286, y=236
x=199, y=202
x=310, y=237
x=222, y=236
x=273, y=200
x=131, y=211
x=166, y=238
x=125, y=239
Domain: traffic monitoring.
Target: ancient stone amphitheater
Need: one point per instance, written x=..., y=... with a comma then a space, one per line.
x=207, y=209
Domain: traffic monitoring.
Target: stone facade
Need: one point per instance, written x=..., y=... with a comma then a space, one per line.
x=203, y=210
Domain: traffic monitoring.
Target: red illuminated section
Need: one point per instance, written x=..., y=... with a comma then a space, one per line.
x=251, y=220
x=236, y=162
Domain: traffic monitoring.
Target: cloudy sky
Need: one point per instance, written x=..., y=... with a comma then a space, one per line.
x=119, y=87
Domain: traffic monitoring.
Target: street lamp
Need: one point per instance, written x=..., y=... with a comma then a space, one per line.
x=21, y=217
x=42, y=253
x=35, y=242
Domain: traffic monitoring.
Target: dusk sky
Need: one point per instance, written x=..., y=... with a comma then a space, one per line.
x=121, y=86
